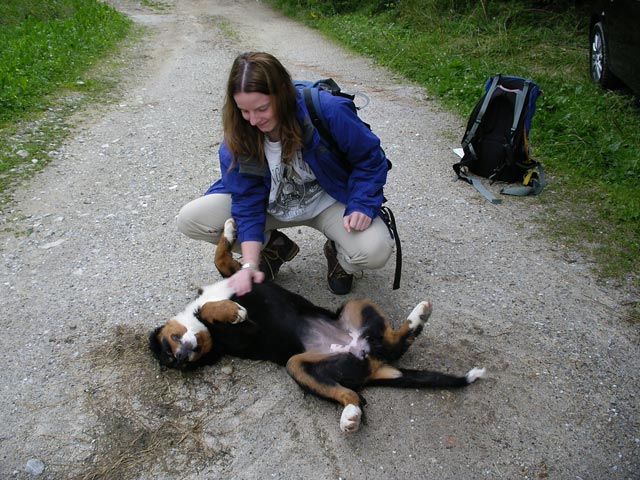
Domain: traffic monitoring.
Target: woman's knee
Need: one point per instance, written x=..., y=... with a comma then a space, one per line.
x=185, y=220
x=372, y=255
x=195, y=222
x=379, y=254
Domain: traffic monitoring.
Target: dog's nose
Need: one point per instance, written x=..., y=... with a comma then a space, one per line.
x=183, y=352
x=181, y=355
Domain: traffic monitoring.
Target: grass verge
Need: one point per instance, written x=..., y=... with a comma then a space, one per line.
x=51, y=62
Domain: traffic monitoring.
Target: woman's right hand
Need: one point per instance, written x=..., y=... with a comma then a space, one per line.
x=243, y=280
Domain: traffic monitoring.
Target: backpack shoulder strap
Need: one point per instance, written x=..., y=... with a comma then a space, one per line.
x=521, y=99
x=311, y=96
x=478, y=185
x=487, y=98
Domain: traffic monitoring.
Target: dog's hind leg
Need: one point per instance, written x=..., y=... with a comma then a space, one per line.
x=384, y=375
x=315, y=373
x=397, y=342
x=385, y=342
x=224, y=261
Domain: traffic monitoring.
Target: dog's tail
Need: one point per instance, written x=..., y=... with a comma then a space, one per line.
x=406, y=378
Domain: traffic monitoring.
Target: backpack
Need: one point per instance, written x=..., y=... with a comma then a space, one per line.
x=495, y=143
x=311, y=95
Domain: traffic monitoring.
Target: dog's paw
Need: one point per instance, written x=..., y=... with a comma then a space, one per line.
x=230, y=230
x=419, y=315
x=474, y=374
x=350, y=419
x=241, y=316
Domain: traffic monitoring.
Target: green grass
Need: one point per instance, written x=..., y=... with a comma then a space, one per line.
x=156, y=5
x=587, y=139
x=47, y=65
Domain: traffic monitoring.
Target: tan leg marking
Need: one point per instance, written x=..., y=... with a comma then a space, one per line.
x=380, y=370
x=393, y=337
x=225, y=311
x=223, y=258
x=295, y=366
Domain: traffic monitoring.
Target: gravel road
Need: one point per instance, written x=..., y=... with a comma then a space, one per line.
x=92, y=261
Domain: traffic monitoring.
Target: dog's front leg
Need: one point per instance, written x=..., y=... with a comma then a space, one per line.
x=225, y=311
x=305, y=370
x=224, y=261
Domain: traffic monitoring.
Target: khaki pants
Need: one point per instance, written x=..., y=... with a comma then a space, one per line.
x=204, y=217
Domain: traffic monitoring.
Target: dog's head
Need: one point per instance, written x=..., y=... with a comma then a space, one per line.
x=181, y=342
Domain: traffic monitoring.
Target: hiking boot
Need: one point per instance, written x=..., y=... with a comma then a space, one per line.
x=278, y=250
x=340, y=282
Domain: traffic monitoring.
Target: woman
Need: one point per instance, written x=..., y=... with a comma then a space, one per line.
x=276, y=173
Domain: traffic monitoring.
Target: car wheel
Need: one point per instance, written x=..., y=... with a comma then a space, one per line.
x=599, y=58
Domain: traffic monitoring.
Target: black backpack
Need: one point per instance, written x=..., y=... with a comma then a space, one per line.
x=310, y=92
x=495, y=143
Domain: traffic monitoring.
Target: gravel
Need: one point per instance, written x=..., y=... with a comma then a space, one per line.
x=92, y=261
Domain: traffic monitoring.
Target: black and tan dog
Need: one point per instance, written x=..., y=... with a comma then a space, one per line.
x=331, y=354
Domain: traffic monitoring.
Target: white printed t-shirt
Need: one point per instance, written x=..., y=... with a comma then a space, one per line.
x=295, y=192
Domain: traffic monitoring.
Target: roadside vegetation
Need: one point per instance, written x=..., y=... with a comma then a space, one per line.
x=49, y=51
x=588, y=139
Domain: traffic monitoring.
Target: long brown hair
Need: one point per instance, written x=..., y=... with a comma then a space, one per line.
x=263, y=73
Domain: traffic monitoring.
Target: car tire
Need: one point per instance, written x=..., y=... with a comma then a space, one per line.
x=599, y=58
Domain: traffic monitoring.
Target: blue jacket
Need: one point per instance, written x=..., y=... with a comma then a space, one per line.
x=357, y=182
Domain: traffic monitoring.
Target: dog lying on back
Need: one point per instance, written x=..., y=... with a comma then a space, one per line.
x=330, y=354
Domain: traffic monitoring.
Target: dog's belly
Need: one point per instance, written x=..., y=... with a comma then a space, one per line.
x=327, y=337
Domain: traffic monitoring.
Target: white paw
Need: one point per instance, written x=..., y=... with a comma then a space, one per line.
x=474, y=374
x=241, y=316
x=350, y=420
x=230, y=230
x=420, y=314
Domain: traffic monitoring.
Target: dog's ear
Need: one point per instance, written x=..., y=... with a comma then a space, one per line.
x=154, y=343
x=160, y=347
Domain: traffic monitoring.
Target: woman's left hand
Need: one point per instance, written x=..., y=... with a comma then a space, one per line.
x=357, y=221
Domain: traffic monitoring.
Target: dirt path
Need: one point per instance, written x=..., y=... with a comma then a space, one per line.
x=92, y=261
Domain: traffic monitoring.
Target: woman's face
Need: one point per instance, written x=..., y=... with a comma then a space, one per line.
x=257, y=109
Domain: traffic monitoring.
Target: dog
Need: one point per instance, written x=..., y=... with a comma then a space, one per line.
x=333, y=355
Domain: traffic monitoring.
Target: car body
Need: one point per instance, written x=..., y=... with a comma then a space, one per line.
x=614, y=39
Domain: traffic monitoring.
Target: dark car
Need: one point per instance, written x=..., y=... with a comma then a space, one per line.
x=615, y=44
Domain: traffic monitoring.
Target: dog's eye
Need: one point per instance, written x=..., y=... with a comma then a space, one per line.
x=175, y=337
x=166, y=347
x=168, y=352
x=197, y=349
